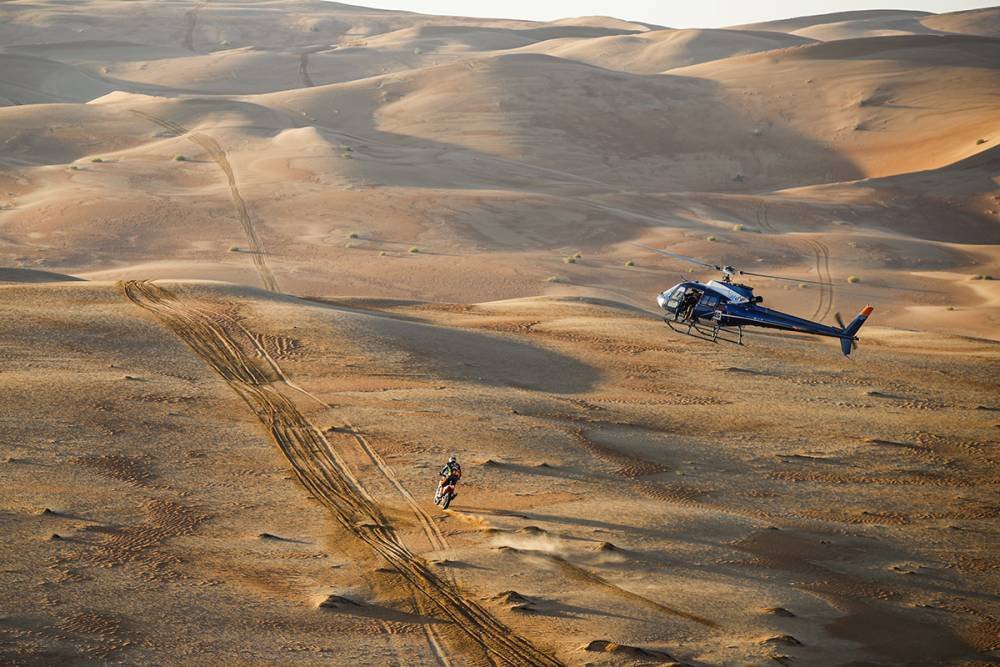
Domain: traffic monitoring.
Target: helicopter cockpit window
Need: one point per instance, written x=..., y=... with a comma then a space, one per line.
x=675, y=298
x=710, y=300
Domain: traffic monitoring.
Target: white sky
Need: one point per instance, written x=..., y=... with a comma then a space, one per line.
x=697, y=14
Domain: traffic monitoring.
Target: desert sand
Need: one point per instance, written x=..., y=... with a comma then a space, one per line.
x=265, y=265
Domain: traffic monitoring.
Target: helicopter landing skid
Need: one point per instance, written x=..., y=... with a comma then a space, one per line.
x=713, y=333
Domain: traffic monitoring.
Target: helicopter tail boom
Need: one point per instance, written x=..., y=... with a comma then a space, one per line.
x=848, y=342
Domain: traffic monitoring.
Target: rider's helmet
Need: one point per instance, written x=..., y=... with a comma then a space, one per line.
x=453, y=459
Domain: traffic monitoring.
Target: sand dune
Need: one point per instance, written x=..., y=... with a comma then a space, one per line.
x=32, y=80
x=646, y=128
x=656, y=51
x=884, y=22
x=609, y=22
x=887, y=110
x=983, y=22
x=848, y=25
x=535, y=509
x=265, y=264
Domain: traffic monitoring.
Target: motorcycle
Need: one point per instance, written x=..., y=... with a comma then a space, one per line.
x=444, y=495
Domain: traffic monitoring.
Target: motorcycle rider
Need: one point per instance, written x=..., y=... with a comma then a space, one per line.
x=450, y=474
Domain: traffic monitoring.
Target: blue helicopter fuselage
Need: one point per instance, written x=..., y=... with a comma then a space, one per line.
x=726, y=304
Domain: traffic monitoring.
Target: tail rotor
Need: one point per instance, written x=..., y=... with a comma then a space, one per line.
x=849, y=342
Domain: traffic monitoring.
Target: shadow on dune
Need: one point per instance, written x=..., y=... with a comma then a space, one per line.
x=11, y=275
x=592, y=111
x=466, y=356
x=948, y=50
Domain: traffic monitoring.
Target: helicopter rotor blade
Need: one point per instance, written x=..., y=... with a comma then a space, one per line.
x=717, y=267
x=791, y=280
x=684, y=258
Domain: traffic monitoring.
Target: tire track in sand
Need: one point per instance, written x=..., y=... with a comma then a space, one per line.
x=322, y=471
x=822, y=253
x=435, y=537
x=763, y=221
x=580, y=574
x=257, y=253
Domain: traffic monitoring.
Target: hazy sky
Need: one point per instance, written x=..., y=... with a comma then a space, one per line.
x=699, y=14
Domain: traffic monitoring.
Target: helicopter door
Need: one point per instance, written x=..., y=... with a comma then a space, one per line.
x=674, y=299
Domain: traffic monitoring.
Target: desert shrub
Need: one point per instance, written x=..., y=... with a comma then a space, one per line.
x=569, y=260
x=97, y=159
x=577, y=255
x=738, y=227
x=382, y=253
x=180, y=158
x=554, y=279
x=630, y=263
x=803, y=286
x=711, y=238
x=354, y=235
x=980, y=142
x=739, y=178
x=234, y=248
x=853, y=279
x=414, y=250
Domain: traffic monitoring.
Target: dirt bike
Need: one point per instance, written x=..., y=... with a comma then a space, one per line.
x=444, y=495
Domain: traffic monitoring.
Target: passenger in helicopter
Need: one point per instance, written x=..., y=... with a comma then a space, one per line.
x=685, y=311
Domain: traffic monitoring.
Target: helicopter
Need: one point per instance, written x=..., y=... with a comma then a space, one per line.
x=718, y=310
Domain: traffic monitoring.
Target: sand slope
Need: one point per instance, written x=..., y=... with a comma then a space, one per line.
x=32, y=80
x=884, y=105
x=848, y=25
x=656, y=51
x=884, y=22
x=600, y=465
x=984, y=22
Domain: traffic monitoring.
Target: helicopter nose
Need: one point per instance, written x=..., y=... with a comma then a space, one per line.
x=661, y=300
